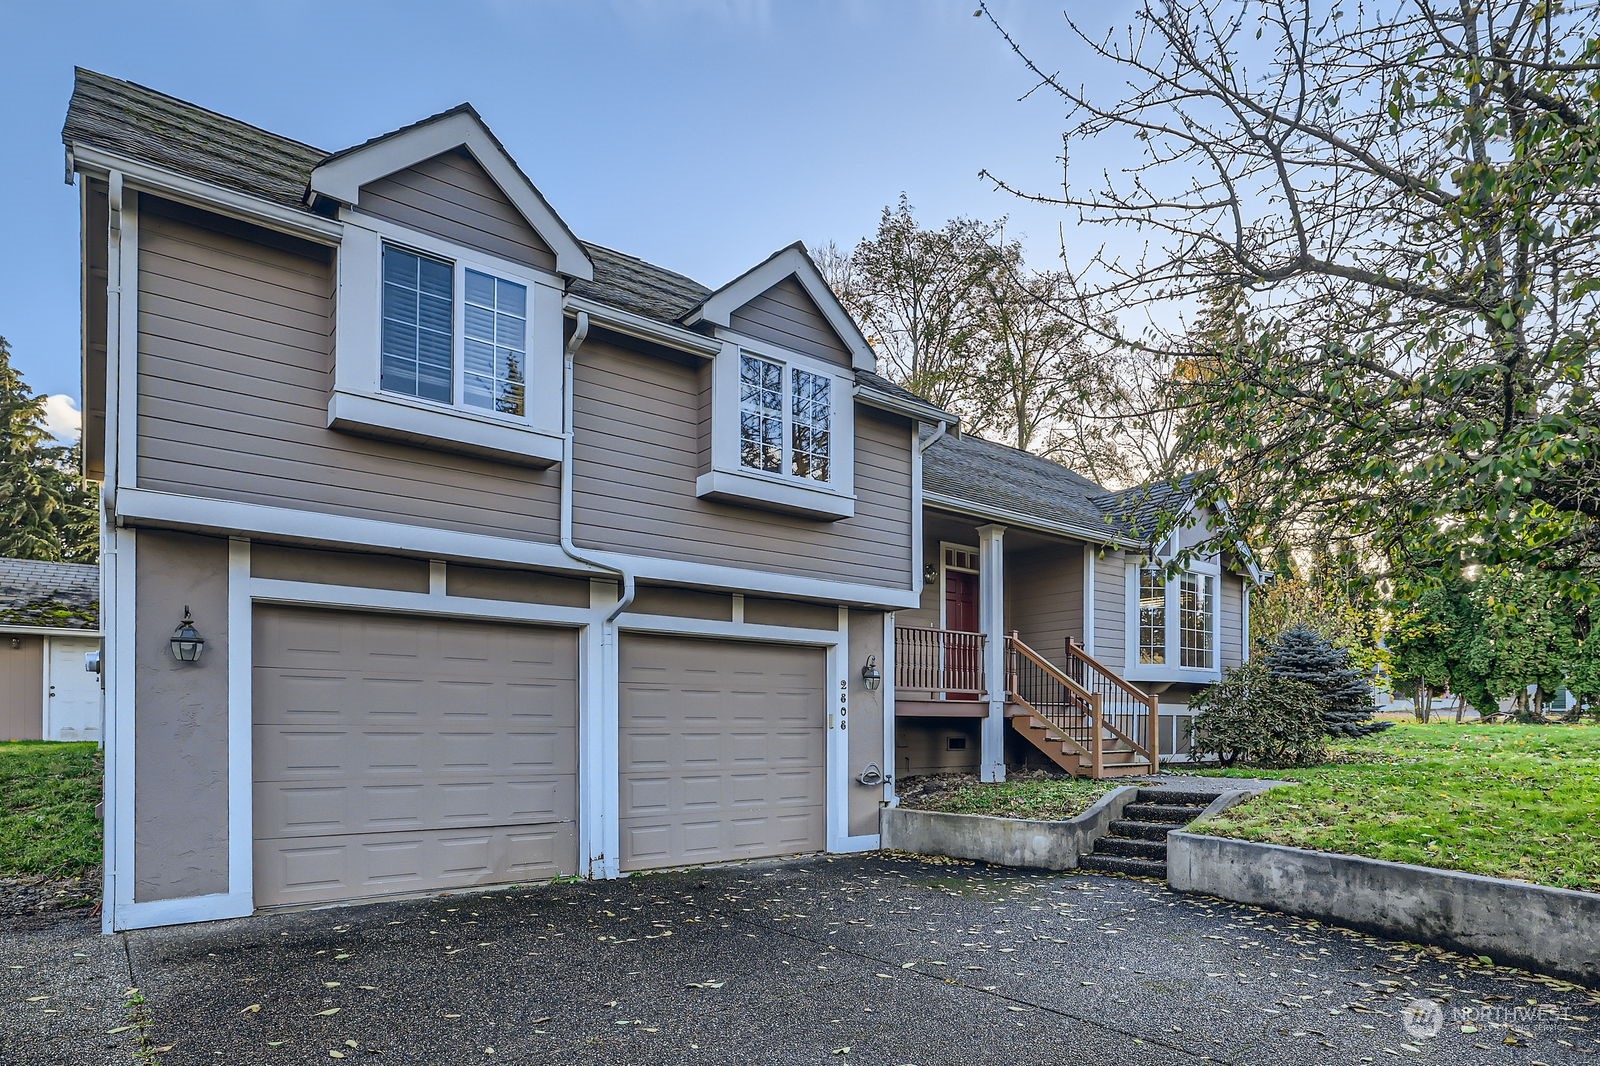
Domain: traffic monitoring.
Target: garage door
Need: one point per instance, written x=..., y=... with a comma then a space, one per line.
x=397, y=754
x=722, y=750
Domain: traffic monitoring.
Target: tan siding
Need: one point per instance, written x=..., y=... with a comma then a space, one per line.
x=764, y=612
x=234, y=377
x=638, y=430
x=518, y=586
x=865, y=732
x=786, y=316
x=1110, y=610
x=1232, y=622
x=1044, y=598
x=339, y=568
x=180, y=712
x=451, y=196
x=682, y=603
x=22, y=689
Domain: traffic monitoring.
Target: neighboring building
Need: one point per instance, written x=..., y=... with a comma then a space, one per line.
x=49, y=622
x=515, y=556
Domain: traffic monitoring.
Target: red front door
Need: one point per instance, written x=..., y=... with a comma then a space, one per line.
x=963, y=657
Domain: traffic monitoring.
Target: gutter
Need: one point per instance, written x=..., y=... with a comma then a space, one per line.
x=642, y=328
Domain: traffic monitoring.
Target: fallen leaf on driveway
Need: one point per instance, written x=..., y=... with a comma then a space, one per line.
x=254, y=1008
x=326, y=1013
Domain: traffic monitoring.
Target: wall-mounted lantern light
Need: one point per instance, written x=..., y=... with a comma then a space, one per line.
x=187, y=643
x=930, y=573
x=871, y=676
x=16, y=642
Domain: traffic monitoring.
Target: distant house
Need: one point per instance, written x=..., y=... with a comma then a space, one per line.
x=49, y=620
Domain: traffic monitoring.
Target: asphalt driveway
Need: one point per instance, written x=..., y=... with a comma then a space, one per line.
x=868, y=959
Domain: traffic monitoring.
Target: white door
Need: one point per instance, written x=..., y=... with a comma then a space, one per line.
x=72, y=694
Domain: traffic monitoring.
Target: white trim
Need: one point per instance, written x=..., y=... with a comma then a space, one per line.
x=126, y=442
x=1170, y=670
x=241, y=743
x=342, y=177
x=891, y=797
x=738, y=608
x=836, y=775
x=718, y=308
x=916, y=410
x=647, y=329
x=119, y=566
x=46, y=715
x=48, y=631
x=438, y=577
x=730, y=479
x=599, y=772
x=231, y=517
x=201, y=194
x=1244, y=625
x=992, y=622
x=208, y=908
x=918, y=547
x=358, y=403
x=108, y=460
x=1091, y=563
x=968, y=509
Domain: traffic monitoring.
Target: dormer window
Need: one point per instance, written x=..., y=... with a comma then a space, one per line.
x=782, y=432
x=785, y=419
x=420, y=350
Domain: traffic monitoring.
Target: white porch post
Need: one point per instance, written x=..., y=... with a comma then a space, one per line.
x=992, y=621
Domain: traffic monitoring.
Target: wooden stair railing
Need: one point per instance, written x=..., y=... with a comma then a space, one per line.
x=1130, y=712
x=1066, y=721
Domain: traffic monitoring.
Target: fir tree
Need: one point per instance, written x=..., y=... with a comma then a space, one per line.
x=46, y=510
x=1302, y=654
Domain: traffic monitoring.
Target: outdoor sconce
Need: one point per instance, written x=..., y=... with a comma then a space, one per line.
x=871, y=676
x=187, y=643
x=930, y=573
x=16, y=642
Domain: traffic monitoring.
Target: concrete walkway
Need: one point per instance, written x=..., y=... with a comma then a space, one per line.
x=872, y=959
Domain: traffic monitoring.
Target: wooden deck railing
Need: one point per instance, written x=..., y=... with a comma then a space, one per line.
x=945, y=662
x=1039, y=685
x=1130, y=713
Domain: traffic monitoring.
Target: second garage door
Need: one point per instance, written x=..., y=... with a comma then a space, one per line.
x=402, y=754
x=722, y=750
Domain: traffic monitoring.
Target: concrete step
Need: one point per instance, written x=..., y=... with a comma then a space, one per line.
x=1175, y=797
x=1132, y=848
x=1161, y=812
x=1117, y=864
x=1127, y=827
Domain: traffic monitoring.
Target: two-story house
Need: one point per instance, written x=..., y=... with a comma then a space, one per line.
x=443, y=548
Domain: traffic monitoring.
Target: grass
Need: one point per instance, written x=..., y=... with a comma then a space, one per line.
x=48, y=794
x=1045, y=798
x=1506, y=801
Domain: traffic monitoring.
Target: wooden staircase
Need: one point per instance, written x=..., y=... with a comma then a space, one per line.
x=1069, y=721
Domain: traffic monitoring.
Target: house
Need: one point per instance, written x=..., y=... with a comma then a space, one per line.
x=1040, y=576
x=49, y=622
x=445, y=548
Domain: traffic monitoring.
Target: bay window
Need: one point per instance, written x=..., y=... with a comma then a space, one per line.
x=1173, y=621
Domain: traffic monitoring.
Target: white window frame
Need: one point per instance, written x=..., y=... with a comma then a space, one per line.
x=730, y=480
x=1172, y=670
x=359, y=403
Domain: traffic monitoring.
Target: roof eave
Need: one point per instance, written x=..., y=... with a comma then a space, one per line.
x=974, y=509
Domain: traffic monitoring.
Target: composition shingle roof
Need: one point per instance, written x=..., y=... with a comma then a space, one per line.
x=53, y=595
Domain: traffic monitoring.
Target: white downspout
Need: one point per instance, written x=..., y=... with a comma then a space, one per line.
x=597, y=735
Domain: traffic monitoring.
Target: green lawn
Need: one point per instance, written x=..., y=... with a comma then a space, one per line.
x=1507, y=801
x=47, y=797
x=1045, y=798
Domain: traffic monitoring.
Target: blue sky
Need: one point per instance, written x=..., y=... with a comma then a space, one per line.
x=698, y=134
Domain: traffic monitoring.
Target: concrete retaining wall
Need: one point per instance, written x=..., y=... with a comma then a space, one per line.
x=1003, y=841
x=1554, y=931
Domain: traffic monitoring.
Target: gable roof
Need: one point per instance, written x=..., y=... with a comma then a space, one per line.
x=341, y=175
x=49, y=595
x=992, y=477
x=1139, y=509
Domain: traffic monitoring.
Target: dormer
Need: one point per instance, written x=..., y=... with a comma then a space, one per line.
x=783, y=390
x=451, y=273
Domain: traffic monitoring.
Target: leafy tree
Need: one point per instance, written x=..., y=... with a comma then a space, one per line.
x=1307, y=656
x=1407, y=191
x=1425, y=643
x=1522, y=640
x=1254, y=716
x=957, y=317
x=46, y=511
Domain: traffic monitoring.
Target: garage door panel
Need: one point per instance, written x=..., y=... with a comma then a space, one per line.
x=721, y=751
x=399, y=754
